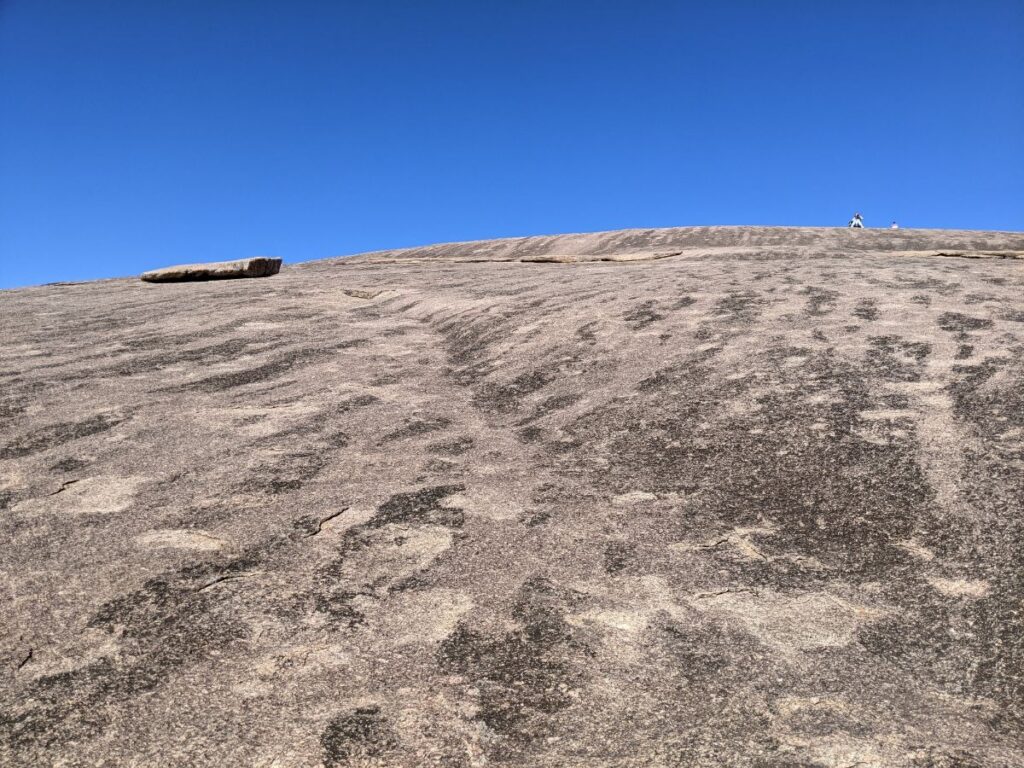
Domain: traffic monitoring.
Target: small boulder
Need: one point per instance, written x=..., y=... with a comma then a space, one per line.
x=259, y=266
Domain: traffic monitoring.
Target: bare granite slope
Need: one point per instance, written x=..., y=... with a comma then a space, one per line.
x=687, y=497
x=696, y=242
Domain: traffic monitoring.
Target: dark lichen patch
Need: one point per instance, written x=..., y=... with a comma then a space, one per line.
x=161, y=627
x=12, y=407
x=932, y=284
x=358, y=401
x=984, y=407
x=553, y=494
x=994, y=410
x=58, y=434
x=439, y=467
x=255, y=418
x=587, y=332
x=672, y=375
x=839, y=500
x=866, y=309
x=69, y=464
x=335, y=438
x=740, y=305
x=333, y=593
x=411, y=583
x=535, y=517
x=504, y=398
x=144, y=614
x=985, y=634
x=701, y=649
x=705, y=332
x=146, y=342
x=352, y=738
x=787, y=354
x=357, y=293
x=58, y=710
x=471, y=375
x=201, y=574
x=820, y=301
x=422, y=506
x=979, y=298
x=896, y=359
x=955, y=321
x=454, y=447
x=319, y=427
x=418, y=426
x=642, y=315
x=550, y=405
x=822, y=722
x=337, y=604
x=964, y=351
x=684, y=301
x=224, y=351
x=897, y=401
x=385, y=380
x=307, y=524
x=999, y=644
x=720, y=677
x=270, y=370
x=524, y=676
x=617, y=555
x=466, y=343
x=234, y=379
x=288, y=472
x=964, y=645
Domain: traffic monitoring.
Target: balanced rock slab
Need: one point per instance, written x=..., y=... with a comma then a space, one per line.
x=259, y=266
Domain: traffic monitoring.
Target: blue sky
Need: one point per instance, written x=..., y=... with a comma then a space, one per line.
x=139, y=134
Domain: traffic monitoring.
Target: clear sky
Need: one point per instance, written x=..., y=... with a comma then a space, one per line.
x=136, y=134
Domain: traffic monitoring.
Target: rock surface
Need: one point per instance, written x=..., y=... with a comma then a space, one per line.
x=757, y=502
x=258, y=266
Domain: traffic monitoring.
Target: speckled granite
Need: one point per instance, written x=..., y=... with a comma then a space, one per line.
x=736, y=497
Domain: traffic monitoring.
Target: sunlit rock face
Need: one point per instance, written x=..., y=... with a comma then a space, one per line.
x=686, y=497
x=258, y=266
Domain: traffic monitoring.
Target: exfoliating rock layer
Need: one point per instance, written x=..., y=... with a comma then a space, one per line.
x=257, y=266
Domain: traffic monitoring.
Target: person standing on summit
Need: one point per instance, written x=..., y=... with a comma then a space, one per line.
x=857, y=222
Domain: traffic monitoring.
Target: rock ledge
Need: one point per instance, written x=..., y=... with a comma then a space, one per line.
x=259, y=266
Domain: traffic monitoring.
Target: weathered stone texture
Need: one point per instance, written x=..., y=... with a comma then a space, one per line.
x=757, y=502
x=259, y=266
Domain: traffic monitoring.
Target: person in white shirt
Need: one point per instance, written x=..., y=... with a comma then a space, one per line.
x=894, y=225
x=857, y=222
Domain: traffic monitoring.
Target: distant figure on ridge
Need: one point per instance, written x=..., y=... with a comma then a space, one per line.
x=894, y=225
x=857, y=222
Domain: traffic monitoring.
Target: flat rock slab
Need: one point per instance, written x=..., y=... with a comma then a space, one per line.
x=259, y=266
